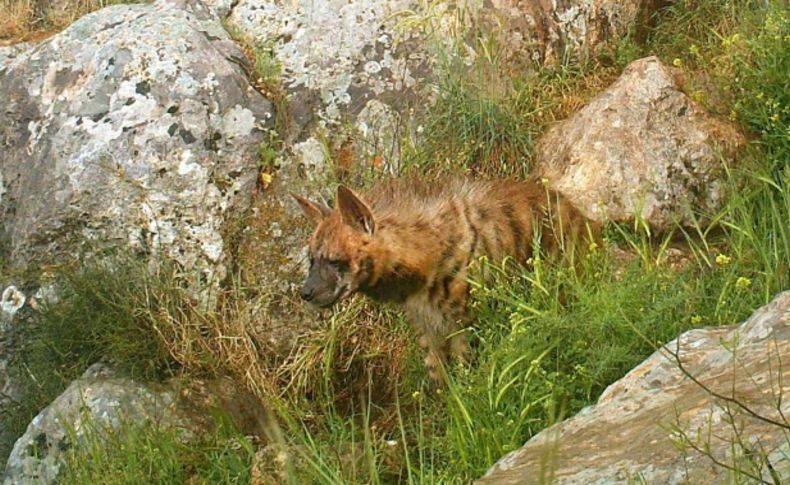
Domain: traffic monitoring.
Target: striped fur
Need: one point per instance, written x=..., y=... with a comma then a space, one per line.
x=412, y=244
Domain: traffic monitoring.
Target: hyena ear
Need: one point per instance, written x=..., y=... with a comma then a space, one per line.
x=314, y=211
x=355, y=212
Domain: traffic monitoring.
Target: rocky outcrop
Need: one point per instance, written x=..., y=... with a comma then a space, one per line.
x=641, y=148
x=646, y=426
x=556, y=30
x=342, y=62
x=98, y=401
x=372, y=64
x=135, y=127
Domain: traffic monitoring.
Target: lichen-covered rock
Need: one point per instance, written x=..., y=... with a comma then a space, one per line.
x=337, y=57
x=134, y=127
x=641, y=148
x=646, y=426
x=99, y=400
x=7, y=54
x=551, y=31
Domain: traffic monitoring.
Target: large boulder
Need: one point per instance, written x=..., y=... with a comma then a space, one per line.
x=657, y=425
x=102, y=401
x=134, y=127
x=98, y=401
x=342, y=62
x=641, y=148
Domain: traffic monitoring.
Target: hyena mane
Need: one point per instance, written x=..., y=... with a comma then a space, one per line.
x=413, y=243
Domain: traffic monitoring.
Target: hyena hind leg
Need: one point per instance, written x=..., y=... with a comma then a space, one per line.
x=456, y=319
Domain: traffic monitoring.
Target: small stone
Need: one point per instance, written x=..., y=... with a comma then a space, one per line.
x=372, y=67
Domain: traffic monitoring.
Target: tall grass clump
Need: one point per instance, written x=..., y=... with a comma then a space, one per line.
x=150, y=453
x=109, y=312
x=490, y=108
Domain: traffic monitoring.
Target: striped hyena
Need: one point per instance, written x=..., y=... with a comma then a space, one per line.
x=412, y=244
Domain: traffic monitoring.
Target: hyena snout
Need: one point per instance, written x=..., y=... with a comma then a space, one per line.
x=321, y=292
x=307, y=293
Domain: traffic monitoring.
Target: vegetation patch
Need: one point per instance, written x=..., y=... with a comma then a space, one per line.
x=151, y=454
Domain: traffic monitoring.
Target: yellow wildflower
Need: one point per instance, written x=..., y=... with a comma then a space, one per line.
x=743, y=283
x=723, y=260
x=696, y=320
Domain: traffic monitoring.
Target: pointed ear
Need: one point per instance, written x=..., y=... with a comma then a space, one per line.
x=355, y=213
x=314, y=211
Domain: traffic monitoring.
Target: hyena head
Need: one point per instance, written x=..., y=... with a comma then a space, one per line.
x=339, y=248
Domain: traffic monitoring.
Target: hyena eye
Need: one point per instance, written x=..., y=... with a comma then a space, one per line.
x=339, y=264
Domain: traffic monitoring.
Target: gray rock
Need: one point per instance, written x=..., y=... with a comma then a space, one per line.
x=135, y=127
x=636, y=430
x=220, y=8
x=102, y=401
x=337, y=57
x=640, y=148
x=7, y=54
x=99, y=401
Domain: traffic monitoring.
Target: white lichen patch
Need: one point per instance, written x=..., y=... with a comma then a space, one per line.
x=378, y=125
x=239, y=121
x=312, y=154
x=12, y=300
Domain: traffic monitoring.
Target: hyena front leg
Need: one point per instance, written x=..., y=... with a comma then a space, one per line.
x=429, y=324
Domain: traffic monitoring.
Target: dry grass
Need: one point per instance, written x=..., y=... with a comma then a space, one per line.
x=34, y=20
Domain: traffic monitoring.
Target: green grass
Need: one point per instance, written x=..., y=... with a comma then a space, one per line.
x=149, y=453
x=358, y=407
x=99, y=314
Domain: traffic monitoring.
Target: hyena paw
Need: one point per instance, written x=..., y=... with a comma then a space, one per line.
x=459, y=348
x=435, y=365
